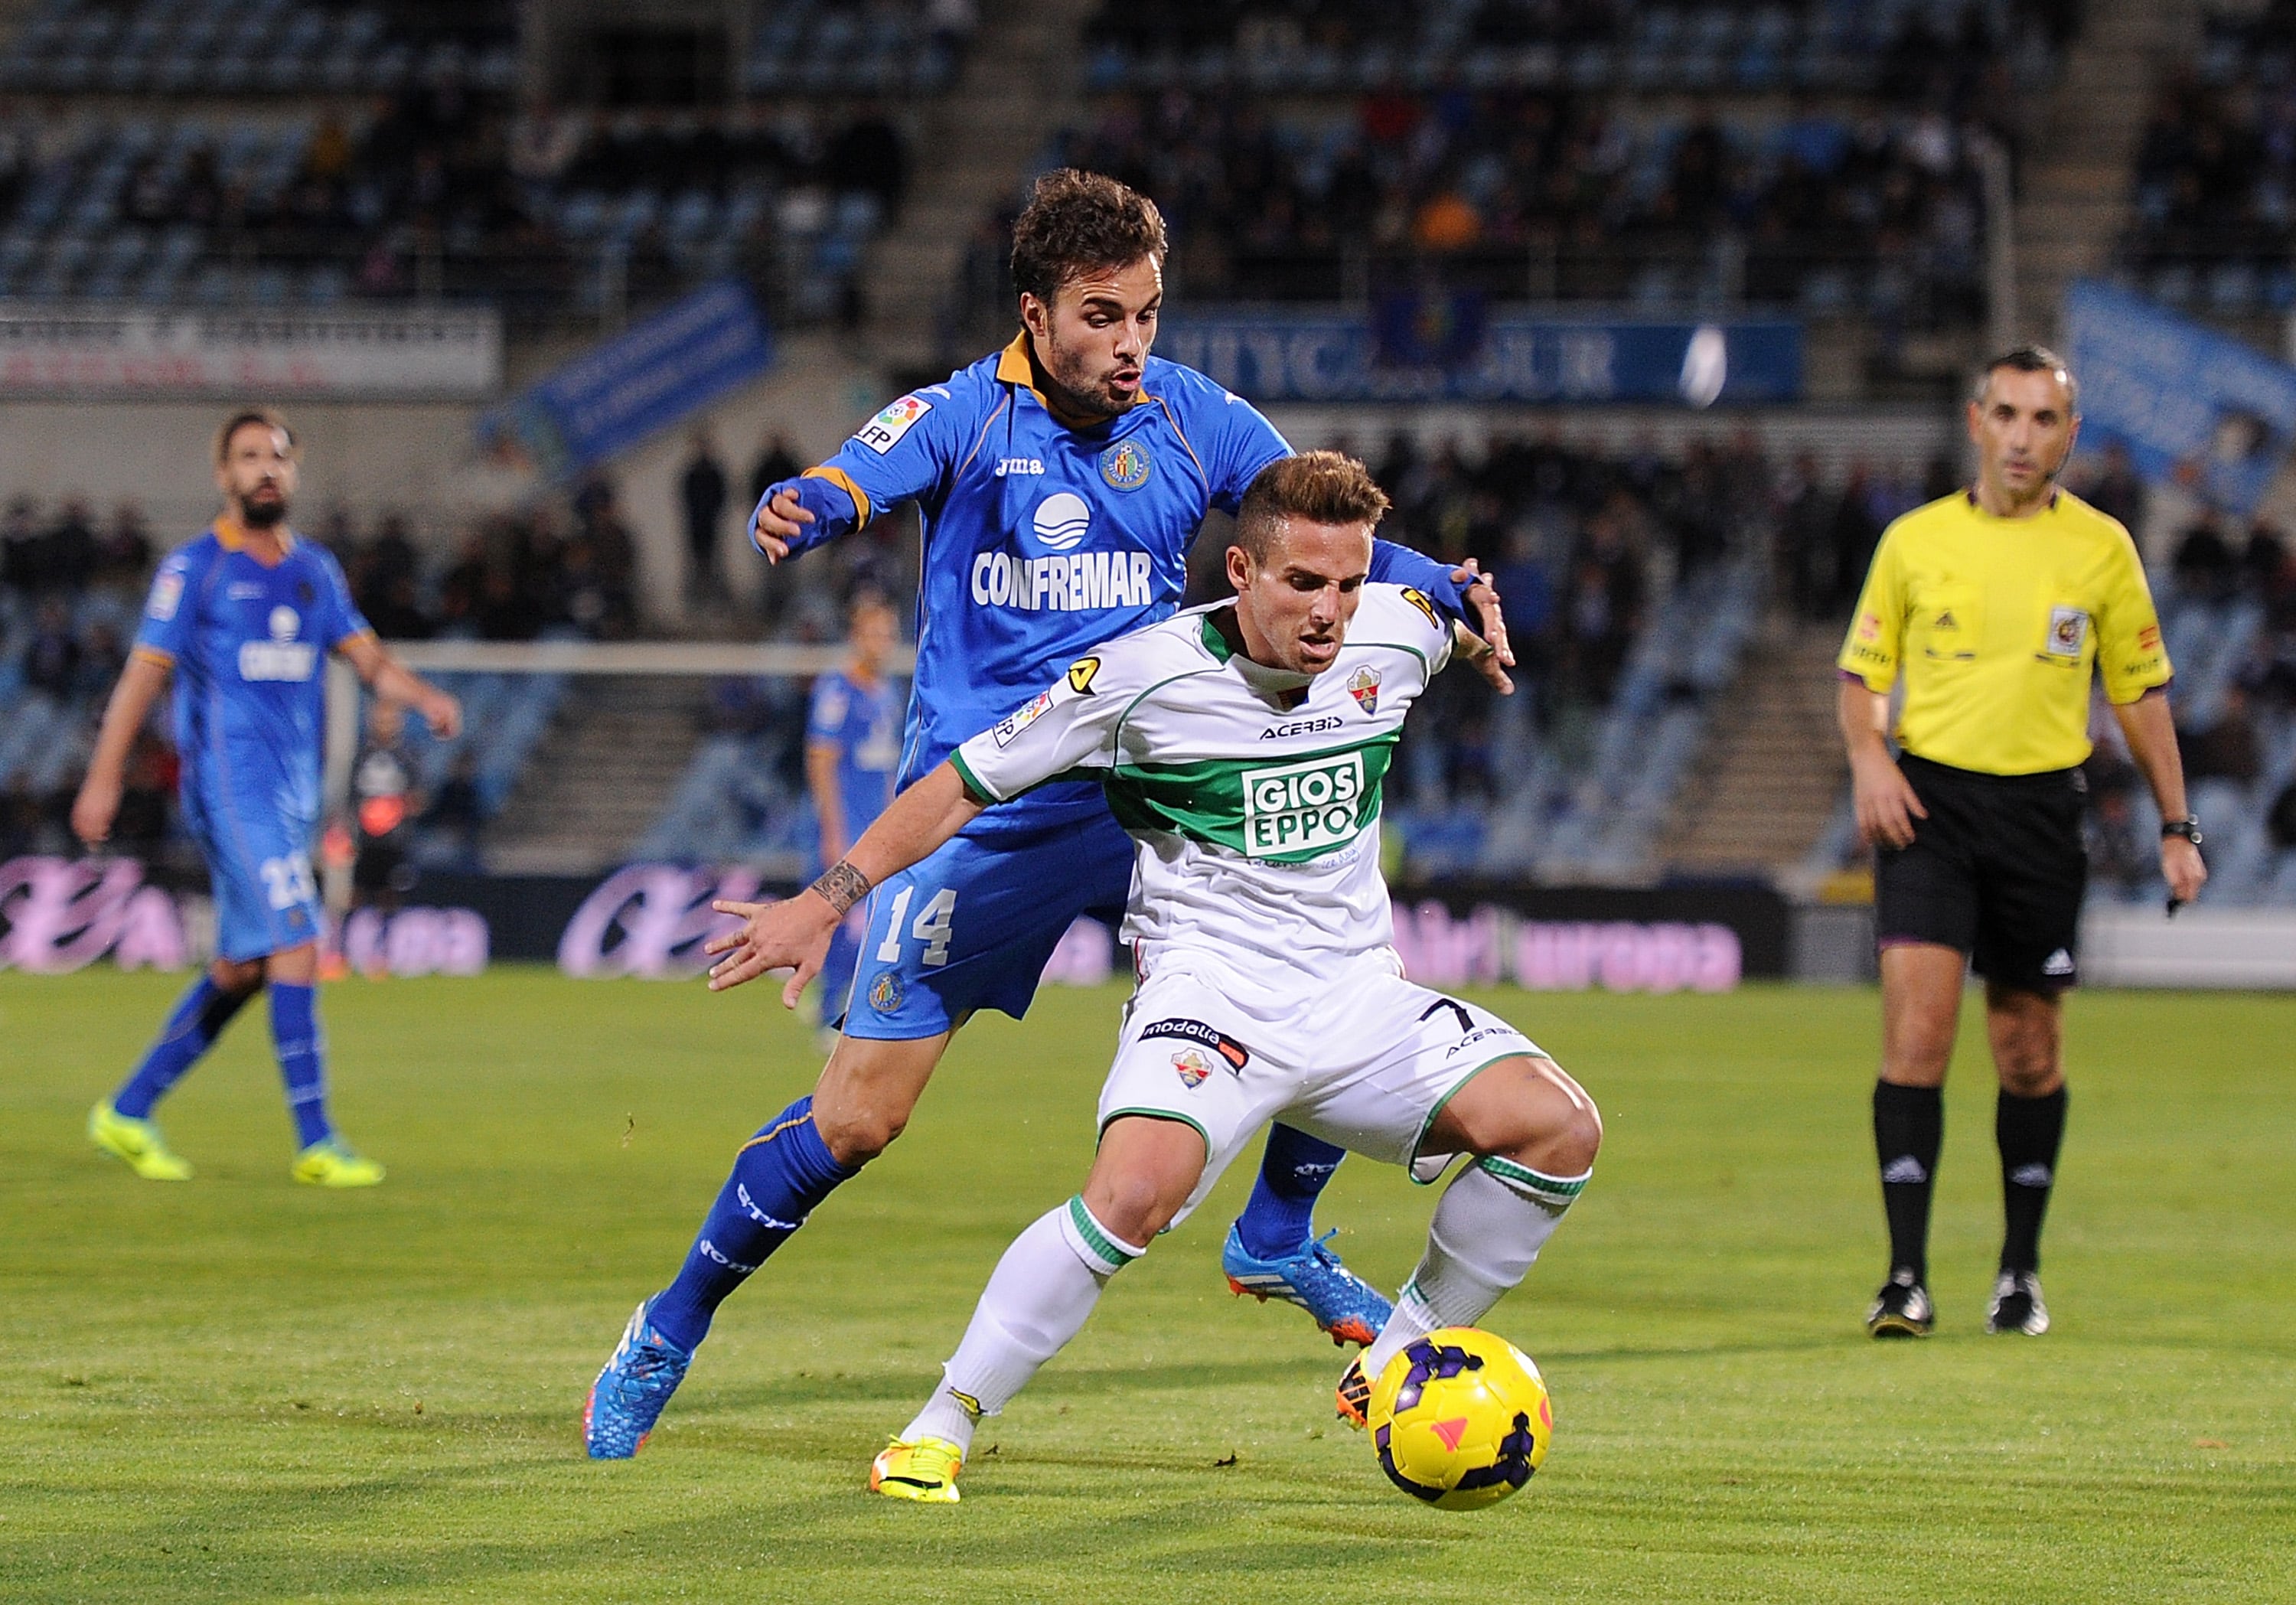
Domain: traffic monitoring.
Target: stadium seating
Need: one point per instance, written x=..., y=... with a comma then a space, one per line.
x=199, y=47
x=1820, y=159
x=242, y=178
x=1756, y=45
x=2215, y=178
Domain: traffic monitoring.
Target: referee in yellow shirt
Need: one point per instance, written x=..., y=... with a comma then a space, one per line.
x=1994, y=603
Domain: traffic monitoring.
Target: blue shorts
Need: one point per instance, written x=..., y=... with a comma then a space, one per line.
x=971, y=927
x=267, y=899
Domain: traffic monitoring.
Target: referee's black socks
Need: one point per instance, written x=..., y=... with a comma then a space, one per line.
x=2029, y=1131
x=1908, y=1129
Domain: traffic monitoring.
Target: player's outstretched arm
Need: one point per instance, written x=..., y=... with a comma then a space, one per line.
x=98, y=802
x=390, y=678
x=795, y=933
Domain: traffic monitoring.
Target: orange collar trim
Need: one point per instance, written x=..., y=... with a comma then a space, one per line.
x=1016, y=365
x=230, y=537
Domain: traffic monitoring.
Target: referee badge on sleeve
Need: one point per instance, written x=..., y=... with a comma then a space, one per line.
x=2068, y=633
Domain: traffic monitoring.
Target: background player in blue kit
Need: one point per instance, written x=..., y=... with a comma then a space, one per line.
x=852, y=747
x=243, y=617
x=1061, y=483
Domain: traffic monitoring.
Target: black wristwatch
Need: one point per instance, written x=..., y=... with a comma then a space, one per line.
x=2188, y=827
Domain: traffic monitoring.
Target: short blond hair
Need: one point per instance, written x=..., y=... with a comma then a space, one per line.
x=1322, y=488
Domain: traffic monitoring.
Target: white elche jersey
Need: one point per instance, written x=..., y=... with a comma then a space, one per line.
x=1251, y=795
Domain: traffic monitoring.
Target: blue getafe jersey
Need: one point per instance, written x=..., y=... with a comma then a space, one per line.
x=1042, y=541
x=866, y=725
x=249, y=644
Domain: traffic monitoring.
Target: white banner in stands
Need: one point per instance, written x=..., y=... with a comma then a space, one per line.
x=381, y=355
x=2220, y=948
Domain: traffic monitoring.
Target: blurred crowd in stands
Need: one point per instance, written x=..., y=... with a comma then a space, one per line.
x=1526, y=194
x=2215, y=218
x=429, y=183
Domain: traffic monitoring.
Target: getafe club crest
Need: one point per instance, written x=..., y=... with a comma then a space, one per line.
x=1192, y=1065
x=1364, y=687
x=1125, y=465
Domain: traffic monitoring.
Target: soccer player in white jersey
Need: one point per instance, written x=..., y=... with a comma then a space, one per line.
x=1241, y=746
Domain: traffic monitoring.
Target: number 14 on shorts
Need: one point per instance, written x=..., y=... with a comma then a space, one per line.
x=931, y=926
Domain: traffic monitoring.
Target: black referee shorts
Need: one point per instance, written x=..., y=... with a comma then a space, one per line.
x=1997, y=869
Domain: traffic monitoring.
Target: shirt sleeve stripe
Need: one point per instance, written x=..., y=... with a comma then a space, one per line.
x=838, y=476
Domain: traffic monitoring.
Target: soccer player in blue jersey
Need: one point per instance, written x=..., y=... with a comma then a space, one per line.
x=852, y=747
x=1061, y=482
x=243, y=618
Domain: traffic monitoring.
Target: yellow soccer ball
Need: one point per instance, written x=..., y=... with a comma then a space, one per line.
x=1460, y=1419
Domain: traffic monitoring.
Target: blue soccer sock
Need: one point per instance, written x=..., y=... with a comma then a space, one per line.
x=1276, y=1222
x=302, y=1059
x=778, y=1177
x=198, y=1018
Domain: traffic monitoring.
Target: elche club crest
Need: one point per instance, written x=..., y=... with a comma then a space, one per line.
x=1193, y=1066
x=1364, y=687
x=1125, y=465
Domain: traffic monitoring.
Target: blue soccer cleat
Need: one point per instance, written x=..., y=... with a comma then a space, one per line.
x=1342, y=1303
x=626, y=1399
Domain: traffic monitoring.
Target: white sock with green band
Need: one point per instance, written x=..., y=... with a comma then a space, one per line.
x=1493, y=1219
x=1039, y=1297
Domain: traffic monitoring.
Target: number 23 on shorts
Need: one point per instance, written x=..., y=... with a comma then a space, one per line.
x=933, y=924
x=287, y=881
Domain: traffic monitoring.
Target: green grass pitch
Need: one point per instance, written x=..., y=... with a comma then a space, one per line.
x=244, y=1391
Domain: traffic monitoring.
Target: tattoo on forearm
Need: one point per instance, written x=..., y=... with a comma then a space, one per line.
x=841, y=886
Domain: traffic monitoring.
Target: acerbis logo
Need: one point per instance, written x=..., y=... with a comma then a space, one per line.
x=1062, y=521
x=1321, y=722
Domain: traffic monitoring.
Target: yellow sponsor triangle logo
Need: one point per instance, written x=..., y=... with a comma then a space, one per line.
x=1080, y=674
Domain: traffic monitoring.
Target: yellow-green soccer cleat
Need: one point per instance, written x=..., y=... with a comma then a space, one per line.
x=136, y=1142
x=329, y=1164
x=925, y=1470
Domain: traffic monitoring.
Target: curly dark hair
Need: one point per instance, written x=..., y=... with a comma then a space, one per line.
x=1076, y=222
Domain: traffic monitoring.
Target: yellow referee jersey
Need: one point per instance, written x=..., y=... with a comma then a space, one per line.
x=1995, y=623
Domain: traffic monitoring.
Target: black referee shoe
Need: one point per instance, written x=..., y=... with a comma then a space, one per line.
x=1901, y=1309
x=2017, y=1306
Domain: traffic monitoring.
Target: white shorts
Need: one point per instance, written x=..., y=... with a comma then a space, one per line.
x=1364, y=1058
